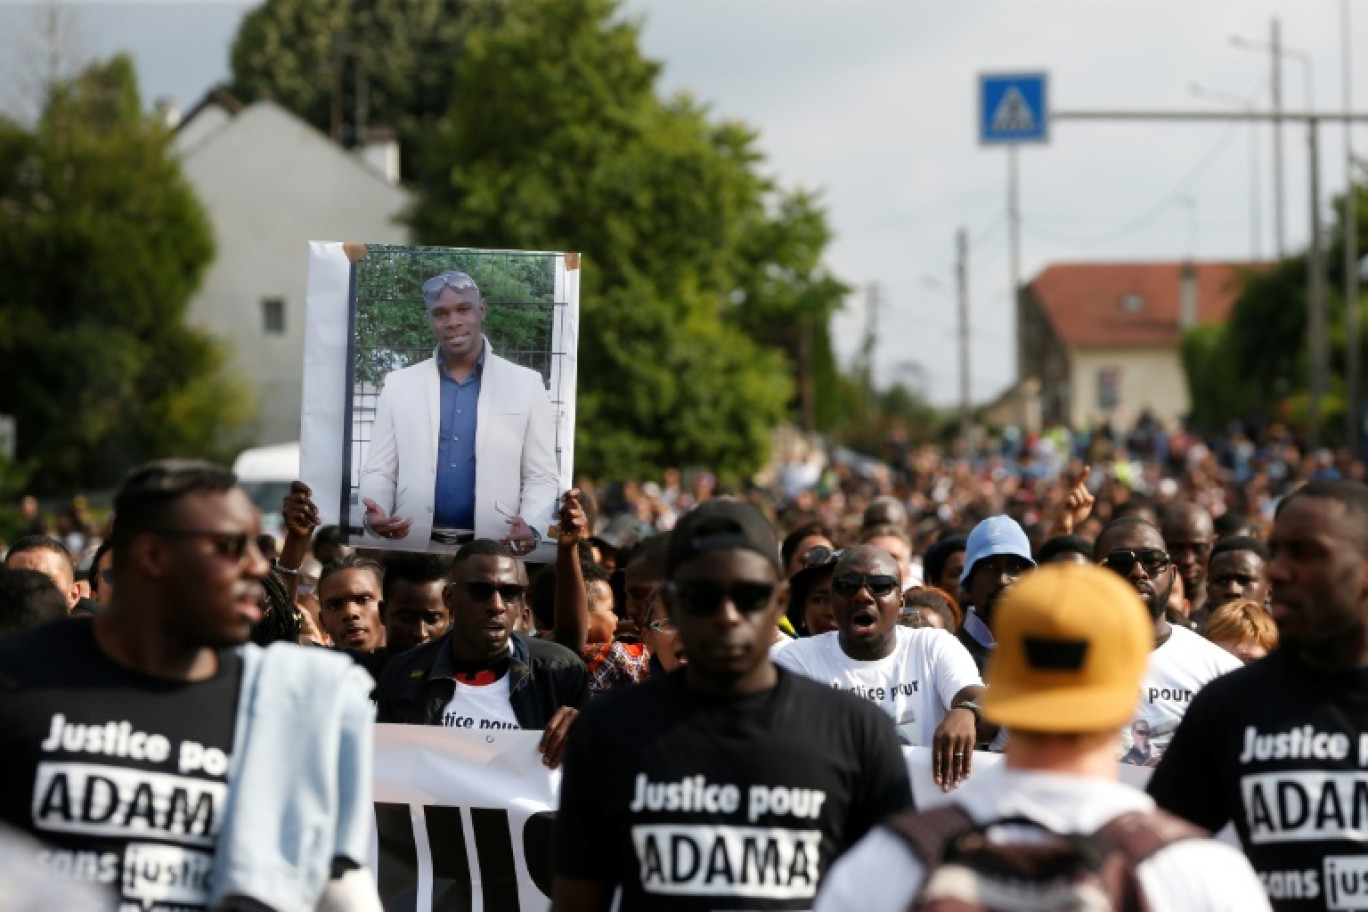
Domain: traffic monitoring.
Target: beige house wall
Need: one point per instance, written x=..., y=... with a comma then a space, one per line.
x=1150, y=378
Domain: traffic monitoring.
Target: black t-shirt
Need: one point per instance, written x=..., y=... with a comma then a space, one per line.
x=122, y=775
x=696, y=802
x=1282, y=750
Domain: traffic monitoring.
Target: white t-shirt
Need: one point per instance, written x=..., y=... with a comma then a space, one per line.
x=880, y=874
x=481, y=707
x=913, y=684
x=1184, y=665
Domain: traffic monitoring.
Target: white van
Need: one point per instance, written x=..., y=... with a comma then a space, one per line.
x=265, y=474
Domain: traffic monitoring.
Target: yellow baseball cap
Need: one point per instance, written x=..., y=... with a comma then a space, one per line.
x=1072, y=645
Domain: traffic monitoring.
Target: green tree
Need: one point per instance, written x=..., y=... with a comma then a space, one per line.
x=102, y=243
x=391, y=62
x=1256, y=365
x=698, y=268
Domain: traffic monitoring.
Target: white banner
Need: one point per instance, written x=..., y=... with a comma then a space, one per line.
x=464, y=819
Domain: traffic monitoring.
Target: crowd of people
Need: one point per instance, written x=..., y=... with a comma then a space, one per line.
x=730, y=681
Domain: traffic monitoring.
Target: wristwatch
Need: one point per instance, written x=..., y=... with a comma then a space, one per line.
x=972, y=707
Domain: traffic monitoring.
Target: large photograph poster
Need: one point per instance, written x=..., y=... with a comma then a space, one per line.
x=450, y=412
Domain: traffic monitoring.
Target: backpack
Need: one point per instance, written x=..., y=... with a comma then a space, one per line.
x=1050, y=872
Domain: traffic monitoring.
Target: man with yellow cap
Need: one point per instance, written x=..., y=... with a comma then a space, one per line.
x=1072, y=646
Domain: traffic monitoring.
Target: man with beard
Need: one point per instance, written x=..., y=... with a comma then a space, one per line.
x=1278, y=746
x=998, y=553
x=1182, y=662
x=729, y=783
x=923, y=679
x=1189, y=534
x=480, y=675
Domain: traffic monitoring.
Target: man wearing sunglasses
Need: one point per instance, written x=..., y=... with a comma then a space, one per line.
x=463, y=444
x=729, y=783
x=1182, y=662
x=923, y=679
x=140, y=739
x=481, y=675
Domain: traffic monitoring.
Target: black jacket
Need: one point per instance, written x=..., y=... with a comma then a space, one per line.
x=418, y=684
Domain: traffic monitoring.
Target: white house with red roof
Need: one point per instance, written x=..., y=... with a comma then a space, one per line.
x=1103, y=340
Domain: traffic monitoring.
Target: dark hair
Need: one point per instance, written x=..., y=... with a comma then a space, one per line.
x=28, y=599
x=594, y=573
x=326, y=537
x=939, y=554
x=791, y=541
x=41, y=543
x=1136, y=503
x=541, y=598
x=149, y=490
x=352, y=562
x=479, y=547
x=418, y=569
x=1230, y=522
x=1240, y=543
x=1064, y=544
x=93, y=574
x=650, y=555
x=1118, y=523
x=280, y=619
x=1353, y=494
x=939, y=601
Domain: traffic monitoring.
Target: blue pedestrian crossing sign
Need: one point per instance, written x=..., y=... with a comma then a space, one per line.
x=1014, y=108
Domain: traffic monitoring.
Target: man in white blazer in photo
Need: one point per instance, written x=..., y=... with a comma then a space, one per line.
x=463, y=443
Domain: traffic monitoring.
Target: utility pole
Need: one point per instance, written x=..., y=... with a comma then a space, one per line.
x=1279, y=222
x=1316, y=282
x=1351, y=268
x=962, y=286
x=1014, y=268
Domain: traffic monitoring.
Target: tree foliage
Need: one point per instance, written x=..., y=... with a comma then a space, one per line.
x=1256, y=365
x=102, y=243
x=698, y=267
x=392, y=62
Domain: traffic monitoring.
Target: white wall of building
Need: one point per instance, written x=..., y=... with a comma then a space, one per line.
x=271, y=183
x=1150, y=378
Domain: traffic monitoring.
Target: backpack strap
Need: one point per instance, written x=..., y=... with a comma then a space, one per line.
x=1140, y=834
x=927, y=833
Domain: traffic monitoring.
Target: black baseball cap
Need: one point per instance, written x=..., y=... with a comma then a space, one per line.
x=721, y=524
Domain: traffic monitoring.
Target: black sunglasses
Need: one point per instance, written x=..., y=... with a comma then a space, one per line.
x=820, y=556
x=879, y=585
x=704, y=597
x=1154, y=560
x=226, y=544
x=456, y=281
x=483, y=592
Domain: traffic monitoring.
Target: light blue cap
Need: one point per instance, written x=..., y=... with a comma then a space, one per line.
x=995, y=535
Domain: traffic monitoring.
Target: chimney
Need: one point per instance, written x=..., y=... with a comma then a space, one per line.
x=167, y=111
x=1187, y=296
x=380, y=152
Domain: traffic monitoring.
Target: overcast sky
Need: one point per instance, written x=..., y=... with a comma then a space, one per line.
x=873, y=103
